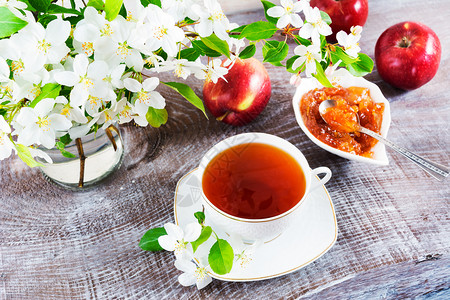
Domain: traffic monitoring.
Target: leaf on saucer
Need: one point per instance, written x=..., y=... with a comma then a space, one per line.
x=200, y=216
x=149, y=242
x=204, y=236
x=221, y=257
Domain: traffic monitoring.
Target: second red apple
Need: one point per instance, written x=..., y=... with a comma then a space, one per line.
x=242, y=96
x=343, y=13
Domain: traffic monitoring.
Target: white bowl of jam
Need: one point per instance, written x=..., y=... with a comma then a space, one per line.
x=364, y=96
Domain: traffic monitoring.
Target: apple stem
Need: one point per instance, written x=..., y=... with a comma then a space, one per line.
x=405, y=43
x=223, y=116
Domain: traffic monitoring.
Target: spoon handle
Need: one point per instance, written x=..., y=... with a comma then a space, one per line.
x=438, y=171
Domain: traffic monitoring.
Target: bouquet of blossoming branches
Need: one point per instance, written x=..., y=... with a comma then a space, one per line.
x=67, y=71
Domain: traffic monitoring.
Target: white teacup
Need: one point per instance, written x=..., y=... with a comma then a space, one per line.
x=259, y=229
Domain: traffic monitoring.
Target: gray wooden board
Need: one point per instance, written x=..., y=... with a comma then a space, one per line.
x=394, y=225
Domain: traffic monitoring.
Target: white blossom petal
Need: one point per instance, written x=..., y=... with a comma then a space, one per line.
x=44, y=107
x=192, y=232
x=167, y=242
x=275, y=11
x=174, y=231
x=150, y=84
x=186, y=266
x=66, y=78
x=187, y=279
x=132, y=85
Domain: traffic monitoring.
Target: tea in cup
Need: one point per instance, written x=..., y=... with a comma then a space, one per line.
x=254, y=185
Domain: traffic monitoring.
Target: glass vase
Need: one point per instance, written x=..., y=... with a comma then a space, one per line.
x=96, y=156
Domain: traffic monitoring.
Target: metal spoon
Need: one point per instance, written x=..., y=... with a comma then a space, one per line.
x=436, y=170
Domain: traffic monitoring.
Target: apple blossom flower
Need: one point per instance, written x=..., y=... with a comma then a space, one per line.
x=117, y=48
x=39, y=125
x=287, y=13
x=315, y=26
x=126, y=113
x=84, y=78
x=162, y=32
x=6, y=146
x=145, y=94
x=213, y=71
x=178, y=241
x=244, y=253
x=193, y=274
x=350, y=41
x=181, y=67
x=43, y=45
x=71, y=113
x=180, y=9
x=308, y=56
x=135, y=10
x=212, y=20
x=92, y=27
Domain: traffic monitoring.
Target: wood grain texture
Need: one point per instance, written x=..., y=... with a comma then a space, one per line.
x=394, y=222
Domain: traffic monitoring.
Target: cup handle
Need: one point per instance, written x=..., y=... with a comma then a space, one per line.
x=322, y=181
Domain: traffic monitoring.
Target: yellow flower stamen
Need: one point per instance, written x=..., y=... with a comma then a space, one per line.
x=43, y=123
x=43, y=46
x=160, y=32
x=106, y=30
x=17, y=67
x=87, y=48
x=143, y=97
x=123, y=50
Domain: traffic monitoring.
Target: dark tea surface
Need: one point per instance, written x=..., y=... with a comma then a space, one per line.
x=254, y=181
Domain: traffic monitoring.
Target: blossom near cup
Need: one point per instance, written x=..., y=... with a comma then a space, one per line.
x=265, y=229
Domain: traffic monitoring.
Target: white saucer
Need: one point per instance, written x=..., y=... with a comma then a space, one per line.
x=298, y=246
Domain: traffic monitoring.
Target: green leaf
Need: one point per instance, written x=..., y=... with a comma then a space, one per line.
x=204, y=236
x=3, y=112
x=60, y=145
x=24, y=153
x=362, y=66
x=156, y=117
x=258, y=31
x=9, y=23
x=188, y=94
x=65, y=139
x=50, y=90
x=190, y=54
x=325, y=17
x=40, y=5
x=248, y=52
x=112, y=8
x=205, y=50
x=320, y=76
x=271, y=45
x=44, y=19
x=301, y=41
x=238, y=29
x=217, y=44
x=221, y=257
x=267, y=5
x=277, y=54
x=149, y=241
x=289, y=64
x=339, y=54
x=97, y=4
x=145, y=3
x=56, y=9
x=200, y=216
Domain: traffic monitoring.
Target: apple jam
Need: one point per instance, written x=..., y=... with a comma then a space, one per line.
x=350, y=100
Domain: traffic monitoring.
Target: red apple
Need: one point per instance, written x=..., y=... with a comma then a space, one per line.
x=243, y=96
x=343, y=13
x=408, y=55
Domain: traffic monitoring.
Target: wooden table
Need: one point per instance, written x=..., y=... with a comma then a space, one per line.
x=394, y=224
